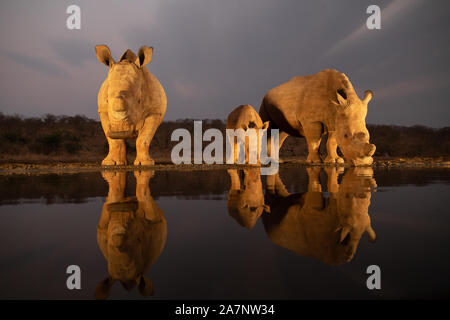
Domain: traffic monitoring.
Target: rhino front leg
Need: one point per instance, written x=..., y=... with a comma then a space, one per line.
x=147, y=205
x=313, y=135
x=117, y=153
x=332, y=156
x=314, y=198
x=116, y=192
x=332, y=180
x=144, y=139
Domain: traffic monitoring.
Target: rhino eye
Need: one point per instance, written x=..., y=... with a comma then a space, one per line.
x=346, y=136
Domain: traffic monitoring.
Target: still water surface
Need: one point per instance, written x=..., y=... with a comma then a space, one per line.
x=226, y=234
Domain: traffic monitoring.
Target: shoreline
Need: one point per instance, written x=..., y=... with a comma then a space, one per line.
x=60, y=167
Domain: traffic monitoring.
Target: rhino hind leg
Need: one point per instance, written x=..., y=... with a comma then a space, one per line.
x=313, y=135
x=332, y=156
x=144, y=139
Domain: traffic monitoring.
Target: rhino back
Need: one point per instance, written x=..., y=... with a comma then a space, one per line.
x=301, y=100
x=243, y=116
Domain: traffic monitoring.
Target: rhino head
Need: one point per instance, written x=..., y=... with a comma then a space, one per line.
x=353, y=202
x=246, y=202
x=124, y=89
x=351, y=132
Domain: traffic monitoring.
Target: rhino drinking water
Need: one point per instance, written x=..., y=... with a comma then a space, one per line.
x=311, y=105
x=328, y=228
x=246, y=118
x=246, y=200
x=131, y=104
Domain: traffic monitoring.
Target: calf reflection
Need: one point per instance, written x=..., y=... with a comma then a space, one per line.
x=246, y=200
x=328, y=229
x=131, y=234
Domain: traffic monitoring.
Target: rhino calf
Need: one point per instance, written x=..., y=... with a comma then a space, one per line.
x=324, y=102
x=245, y=117
x=131, y=104
x=246, y=200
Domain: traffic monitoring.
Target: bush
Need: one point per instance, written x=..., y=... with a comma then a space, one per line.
x=70, y=135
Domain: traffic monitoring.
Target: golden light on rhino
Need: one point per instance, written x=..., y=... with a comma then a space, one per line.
x=131, y=104
x=247, y=119
x=325, y=102
x=246, y=199
x=131, y=234
x=310, y=224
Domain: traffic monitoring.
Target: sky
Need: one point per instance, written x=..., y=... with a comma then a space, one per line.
x=212, y=56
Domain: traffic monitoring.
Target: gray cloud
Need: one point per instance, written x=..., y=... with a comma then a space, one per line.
x=35, y=63
x=213, y=55
x=73, y=51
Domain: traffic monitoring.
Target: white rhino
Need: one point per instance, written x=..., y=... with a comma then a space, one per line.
x=246, y=200
x=131, y=234
x=312, y=105
x=328, y=229
x=131, y=104
x=245, y=117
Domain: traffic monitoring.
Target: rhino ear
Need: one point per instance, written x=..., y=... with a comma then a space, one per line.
x=103, y=288
x=341, y=97
x=104, y=55
x=372, y=234
x=345, y=232
x=146, y=286
x=144, y=56
x=128, y=56
x=367, y=96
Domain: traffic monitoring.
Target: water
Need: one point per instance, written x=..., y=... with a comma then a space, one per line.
x=209, y=234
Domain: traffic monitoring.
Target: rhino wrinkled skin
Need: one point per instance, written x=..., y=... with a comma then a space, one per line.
x=131, y=104
x=131, y=234
x=325, y=102
x=309, y=224
x=245, y=117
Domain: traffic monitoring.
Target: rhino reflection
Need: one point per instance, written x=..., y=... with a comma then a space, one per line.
x=131, y=234
x=328, y=229
x=246, y=200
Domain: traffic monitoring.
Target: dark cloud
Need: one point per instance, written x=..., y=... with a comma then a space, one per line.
x=73, y=51
x=213, y=55
x=38, y=64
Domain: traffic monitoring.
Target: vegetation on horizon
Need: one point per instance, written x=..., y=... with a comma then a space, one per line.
x=80, y=139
